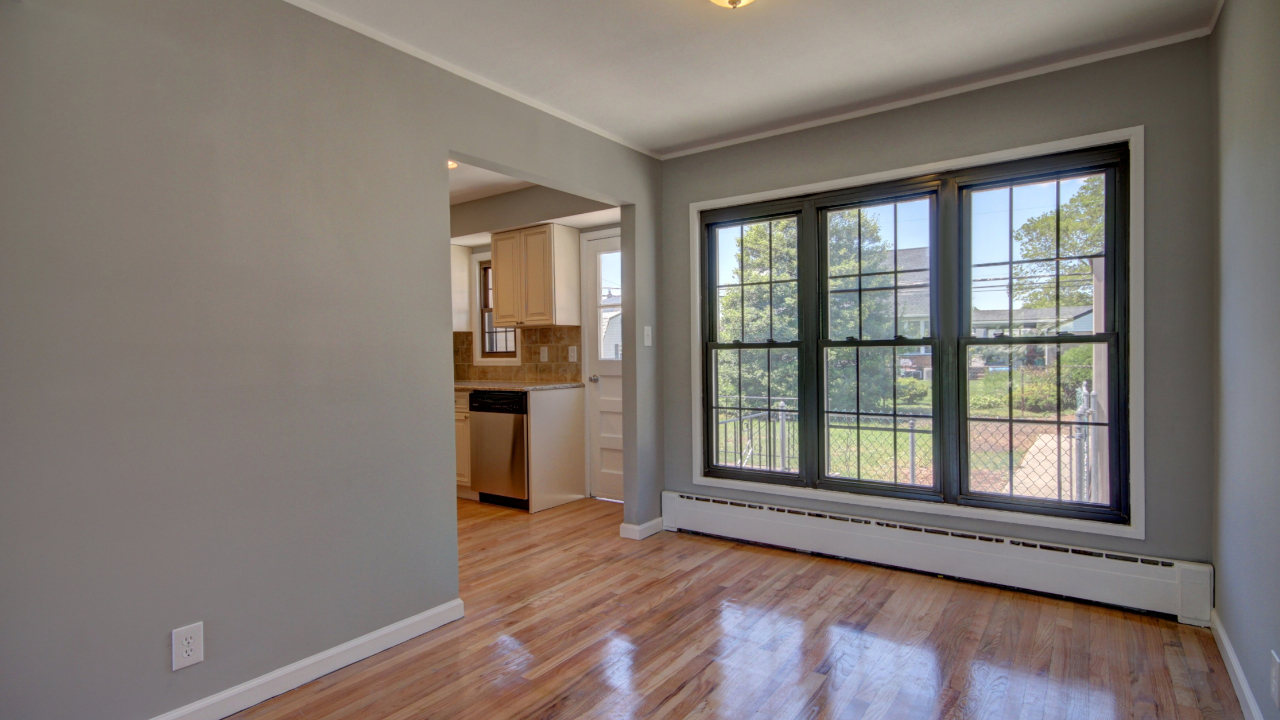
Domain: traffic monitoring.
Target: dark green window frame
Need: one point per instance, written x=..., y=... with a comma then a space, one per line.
x=950, y=340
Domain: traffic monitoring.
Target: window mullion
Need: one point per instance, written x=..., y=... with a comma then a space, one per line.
x=809, y=252
x=950, y=298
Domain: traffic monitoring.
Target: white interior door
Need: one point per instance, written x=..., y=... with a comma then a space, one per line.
x=602, y=350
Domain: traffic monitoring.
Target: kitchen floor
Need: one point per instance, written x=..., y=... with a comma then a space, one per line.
x=564, y=619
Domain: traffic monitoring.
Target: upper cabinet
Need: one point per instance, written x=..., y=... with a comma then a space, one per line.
x=460, y=277
x=536, y=277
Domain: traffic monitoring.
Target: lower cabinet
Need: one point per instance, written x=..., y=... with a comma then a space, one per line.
x=462, y=438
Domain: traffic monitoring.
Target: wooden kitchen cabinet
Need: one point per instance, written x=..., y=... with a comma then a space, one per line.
x=462, y=437
x=536, y=278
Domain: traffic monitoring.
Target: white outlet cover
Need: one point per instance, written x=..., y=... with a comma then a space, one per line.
x=188, y=645
x=573, y=353
x=542, y=354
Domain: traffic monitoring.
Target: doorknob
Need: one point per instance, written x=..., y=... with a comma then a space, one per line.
x=594, y=378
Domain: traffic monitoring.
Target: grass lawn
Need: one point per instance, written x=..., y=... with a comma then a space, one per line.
x=877, y=451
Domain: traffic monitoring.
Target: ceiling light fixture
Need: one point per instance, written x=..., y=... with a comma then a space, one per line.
x=452, y=165
x=732, y=4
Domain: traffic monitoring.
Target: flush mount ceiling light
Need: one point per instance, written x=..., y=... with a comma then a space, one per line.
x=732, y=4
x=453, y=164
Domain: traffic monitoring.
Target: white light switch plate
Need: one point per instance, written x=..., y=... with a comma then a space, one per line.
x=648, y=335
x=573, y=353
x=188, y=645
x=542, y=354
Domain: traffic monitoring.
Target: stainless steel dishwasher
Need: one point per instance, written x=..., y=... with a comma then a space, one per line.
x=499, y=459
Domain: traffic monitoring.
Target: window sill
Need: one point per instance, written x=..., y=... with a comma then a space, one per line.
x=1135, y=531
x=496, y=362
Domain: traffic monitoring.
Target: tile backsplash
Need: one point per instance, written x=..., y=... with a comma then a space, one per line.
x=557, y=341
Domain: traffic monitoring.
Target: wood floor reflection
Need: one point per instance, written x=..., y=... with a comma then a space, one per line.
x=567, y=620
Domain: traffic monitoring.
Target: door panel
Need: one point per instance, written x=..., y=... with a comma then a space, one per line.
x=539, y=271
x=506, y=279
x=602, y=340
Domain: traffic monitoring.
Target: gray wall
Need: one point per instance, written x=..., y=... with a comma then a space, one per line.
x=1247, y=549
x=1169, y=90
x=225, y=358
x=518, y=208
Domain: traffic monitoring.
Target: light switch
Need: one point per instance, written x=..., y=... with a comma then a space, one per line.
x=542, y=355
x=648, y=335
x=573, y=353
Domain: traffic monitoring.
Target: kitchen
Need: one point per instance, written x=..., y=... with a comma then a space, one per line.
x=537, y=320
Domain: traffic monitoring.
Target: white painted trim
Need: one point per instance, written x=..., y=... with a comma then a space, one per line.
x=1248, y=703
x=642, y=531
x=958, y=90
x=1184, y=589
x=248, y=694
x=931, y=508
x=1137, y=385
x=477, y=337
x=404, y=47
x=603, y=234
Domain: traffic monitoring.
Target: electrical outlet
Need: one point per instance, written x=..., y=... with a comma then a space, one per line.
x=573, y=353
x=188, y=645
x=1275, y=678
x=648, y=335
x=542, y=354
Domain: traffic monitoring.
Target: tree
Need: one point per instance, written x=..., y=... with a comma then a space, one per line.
x=1080, y=230
x=766, y=253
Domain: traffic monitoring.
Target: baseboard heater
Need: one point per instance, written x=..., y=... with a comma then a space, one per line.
x=1172, y=587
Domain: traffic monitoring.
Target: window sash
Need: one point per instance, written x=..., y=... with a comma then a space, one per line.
x=490, y=336
x=948, y=336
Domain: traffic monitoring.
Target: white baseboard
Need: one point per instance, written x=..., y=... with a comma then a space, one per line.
x=248, y=694
x=1248, y=703
x=1167, y=586
x=642, y=531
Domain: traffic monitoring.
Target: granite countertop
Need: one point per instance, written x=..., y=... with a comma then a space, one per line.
x=518, y=386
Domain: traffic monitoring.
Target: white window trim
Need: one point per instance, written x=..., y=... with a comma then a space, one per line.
x=1137, y=527
x=477, y=334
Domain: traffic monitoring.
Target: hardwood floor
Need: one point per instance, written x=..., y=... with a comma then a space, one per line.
x=567, y=620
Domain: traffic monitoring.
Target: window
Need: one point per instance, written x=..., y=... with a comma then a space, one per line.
x=609, y=304
x=496, y=342
x=957, y=338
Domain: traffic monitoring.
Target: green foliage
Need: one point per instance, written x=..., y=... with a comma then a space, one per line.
x=1077, y=370
x=768, y=379
x=989, y=394
x=1034, y=388
x=912, y=391
x=1082, y=226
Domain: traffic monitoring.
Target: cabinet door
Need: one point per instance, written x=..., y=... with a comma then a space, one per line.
x=508, y=271
x=462, y=446
x=539, y=276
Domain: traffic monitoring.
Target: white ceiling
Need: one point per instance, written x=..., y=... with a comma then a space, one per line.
x=667, y=76
x=468, y=182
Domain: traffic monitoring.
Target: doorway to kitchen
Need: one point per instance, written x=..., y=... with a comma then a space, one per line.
x=603, y=345
x=538, y=342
